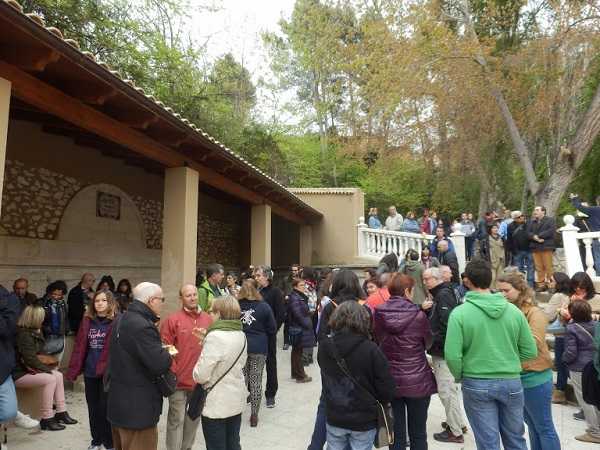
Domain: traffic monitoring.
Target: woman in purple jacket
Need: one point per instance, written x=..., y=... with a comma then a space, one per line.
x=403, y=333
x=301, y=325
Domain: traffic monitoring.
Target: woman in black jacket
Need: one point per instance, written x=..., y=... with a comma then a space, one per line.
x=351, y=393
x=55, y=326
x=259, y=323
x=301, y=328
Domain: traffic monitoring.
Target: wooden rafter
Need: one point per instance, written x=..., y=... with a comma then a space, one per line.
x=31, y=59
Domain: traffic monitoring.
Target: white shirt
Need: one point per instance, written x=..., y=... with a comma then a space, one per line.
x=394, y=223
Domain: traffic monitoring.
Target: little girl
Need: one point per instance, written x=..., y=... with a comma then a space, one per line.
x=90, y=356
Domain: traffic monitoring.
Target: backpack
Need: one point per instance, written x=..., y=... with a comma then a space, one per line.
x=590, y=385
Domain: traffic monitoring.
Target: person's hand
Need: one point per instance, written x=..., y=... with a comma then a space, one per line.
x=427, y=304
x=200, y=333
x=564, y=314
x=577, y=296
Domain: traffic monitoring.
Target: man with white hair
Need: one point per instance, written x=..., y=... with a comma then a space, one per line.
x=394, y=220
x=185, y=330
x=137, y=360
x=438, y=311
x=447, y=257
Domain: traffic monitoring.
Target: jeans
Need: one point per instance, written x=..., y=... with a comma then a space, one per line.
x=524, y=261
x=181, y=430
x=596, y=255
x=96, y=401
x=470, y=244
x=272, y=384
x=340, y=438
x=8, y=400
x=449, y=392
x=538, y=417
x=562, y=371
x=415, y=410
x=222, y=434
x=494, y=408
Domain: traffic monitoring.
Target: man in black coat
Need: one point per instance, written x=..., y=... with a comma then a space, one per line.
x=438, y=312
x=517, y=239
x=541, y=233
x=274, y=297
x=9, y=312
x=448, y=258
x=137, y=358
x=78, y=299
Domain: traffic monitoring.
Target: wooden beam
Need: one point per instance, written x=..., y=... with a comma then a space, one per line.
x=33, y=59
x=133, y=119
x=92, y=94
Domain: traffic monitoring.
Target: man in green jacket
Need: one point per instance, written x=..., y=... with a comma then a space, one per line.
x=211, y=287
x=486, y=341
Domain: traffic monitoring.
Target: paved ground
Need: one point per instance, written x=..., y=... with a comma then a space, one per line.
x=286, y=427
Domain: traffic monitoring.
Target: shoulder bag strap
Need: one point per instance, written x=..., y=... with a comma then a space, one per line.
x=586, y=331
x=341, y=362
x=228, y=370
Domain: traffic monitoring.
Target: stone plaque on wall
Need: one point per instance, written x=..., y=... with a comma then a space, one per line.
x=108, y=205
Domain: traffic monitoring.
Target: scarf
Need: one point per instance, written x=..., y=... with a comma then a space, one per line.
x=225, y=325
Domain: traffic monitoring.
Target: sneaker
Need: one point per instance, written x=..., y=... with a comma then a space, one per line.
x=579, y=415
x=587, y=437
x=447, y=436
x=270, y=402
x=306, y=379
x=24, y=421
x=559, y=397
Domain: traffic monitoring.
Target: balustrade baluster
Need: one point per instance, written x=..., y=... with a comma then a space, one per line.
x=589, y=257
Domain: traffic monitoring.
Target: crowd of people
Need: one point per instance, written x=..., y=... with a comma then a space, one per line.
x=415, y=327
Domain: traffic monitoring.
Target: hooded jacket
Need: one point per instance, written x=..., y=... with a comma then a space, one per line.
x=299, y=316
x=403, y=333
x=415, y=269
x=579, y=345
x=487, y=337
x=444, y=301
x=80, y=349
x=347, y=405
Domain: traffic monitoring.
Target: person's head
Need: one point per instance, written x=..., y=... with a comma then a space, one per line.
x=433, y=215
x=401, y=285
x=515, y=214
x=470, y=216
x=488, y=215
x=231, y=279
x=582, y=286
x=412, y=255
x=392, y=211
x=539, y=212
x=385, y=278
x=432, y=277
x=561, y=283
x=151, y=294
x=463, y=216
x=493, y=230
x=106, y=284
x=103, y=304
x=373, y=212
x=410, y=215
x=87, y=280
x=479, y=274
x=446, y=273
x=299, y=284
x=248, y=291
x=372, y=286
x=32, y=317
x=20, y=287
x=263, y=276
x=351, y=317
x=580, y=311
x=425, y=212
x=215, y=274
x=124, y=287
x=370, y=273
x=515, y=289
x=425, y=253
x=520, y=218
x=295, y=271
x=439, y=232
x=346, y=285
x=188, y=294
x=56, y=290
x=442, y=246
x=225, y=308
x=308, y=273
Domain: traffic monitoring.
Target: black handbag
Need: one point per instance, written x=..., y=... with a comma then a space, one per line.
x=166, y=383
x=295, y=335
x=196, y=402
x=385, y=417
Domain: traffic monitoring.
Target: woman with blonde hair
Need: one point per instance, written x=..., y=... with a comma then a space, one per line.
x=536, y=376
x=258, y=322
x=223, y=358
x=90, y=357
x=37, y=370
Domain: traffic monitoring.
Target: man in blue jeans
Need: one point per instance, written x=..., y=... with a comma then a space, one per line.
x=486, y=341
x=593, y=213
x=517, y=241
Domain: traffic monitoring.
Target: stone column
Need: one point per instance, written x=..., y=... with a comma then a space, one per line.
x=305, y=245
x=180, y=233
x=4, y=110
x=260, y=235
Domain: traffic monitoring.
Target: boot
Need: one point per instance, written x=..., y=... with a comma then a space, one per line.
x=253, y=420
x=51, y=424
x=559, y=397
x=63, y=417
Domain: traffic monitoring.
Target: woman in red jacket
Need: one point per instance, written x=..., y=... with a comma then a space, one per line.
x=90, y=356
